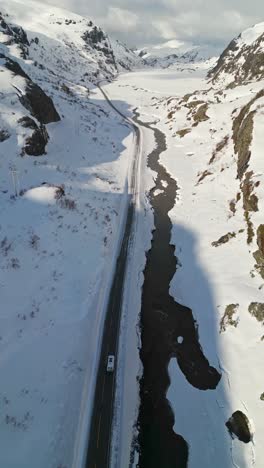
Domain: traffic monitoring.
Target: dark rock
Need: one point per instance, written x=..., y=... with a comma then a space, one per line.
x=27, y=122
x=4, y=135
x=260, y=238
x=242, y=134
x=34, y=100
x=224, y=239
x=35, y=145
x=14, y=67
x=20, y=35
x=256, y=309
x=243, y=62
x=238, y=425
x=94, y=36
x=15, y=35
x=232, y=47
x=39, y=104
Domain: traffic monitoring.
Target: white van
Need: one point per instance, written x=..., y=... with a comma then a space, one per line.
x=110, y=363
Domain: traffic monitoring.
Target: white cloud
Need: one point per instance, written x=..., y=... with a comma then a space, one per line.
x=119, y=20
x=140, y=22
x=165, y=29
x=173, y=44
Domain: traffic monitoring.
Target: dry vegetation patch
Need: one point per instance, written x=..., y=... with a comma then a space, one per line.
x=203, y=175
x=224, y=239
x=259, y=254
x=256, y=309
x=233, y=203
x=250, y=227
x=200, y=115
x=229, y=317
x=219, y=147
x=183, y=132
x=250, y=200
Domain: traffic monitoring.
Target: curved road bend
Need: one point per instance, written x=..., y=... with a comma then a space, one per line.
x=99, y=445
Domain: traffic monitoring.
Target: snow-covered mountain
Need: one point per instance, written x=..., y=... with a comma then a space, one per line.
x=174, y=57
x=243, y=59
x=52, y=49
x=51, y=35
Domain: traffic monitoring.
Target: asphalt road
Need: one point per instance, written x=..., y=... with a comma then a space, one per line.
x=99, y=445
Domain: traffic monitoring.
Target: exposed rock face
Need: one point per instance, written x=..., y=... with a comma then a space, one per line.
x=14, y=67
x=35, y=144
x=39, y=104
x=224, y=239
x=14, y=35
x=34, y=99
x=256, y=309
x=95, y=36
x=242, y=134
x=97, y=39
x=4, y=135
x=260, y=238
x=239, y=426
x=27, y=122
x=243, y=59
x=230, y=317
x=259, y=254
x=224, y=57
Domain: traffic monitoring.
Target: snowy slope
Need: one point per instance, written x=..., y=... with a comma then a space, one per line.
x=64, y=161
x=221, y=207
x=243, y=60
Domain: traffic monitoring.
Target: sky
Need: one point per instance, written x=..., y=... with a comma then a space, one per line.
x=138, y=23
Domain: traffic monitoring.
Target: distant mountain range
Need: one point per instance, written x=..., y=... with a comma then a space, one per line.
x=164, y=56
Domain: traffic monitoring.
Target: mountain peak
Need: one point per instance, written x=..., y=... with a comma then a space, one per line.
x=243, y=59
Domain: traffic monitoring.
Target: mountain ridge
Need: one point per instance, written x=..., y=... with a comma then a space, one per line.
x=242, y=60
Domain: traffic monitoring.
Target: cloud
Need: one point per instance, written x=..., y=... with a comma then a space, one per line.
x=173, y=44
x=119, y=20
x=142, y=22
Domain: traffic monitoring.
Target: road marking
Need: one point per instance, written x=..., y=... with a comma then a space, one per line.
x=98, y=433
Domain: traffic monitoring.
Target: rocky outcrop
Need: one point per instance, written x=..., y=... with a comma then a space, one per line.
x=39, y=104
x=259, y=254
x=4, y=135
x=14, y=67
x=14, y=35
x=94, y=36
x=242, y=134
x=33, y=99
x=260, y=238
x=239, y=426
x=97, y=39
x=256, y=309
x=243, y=59
x=35, y=144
